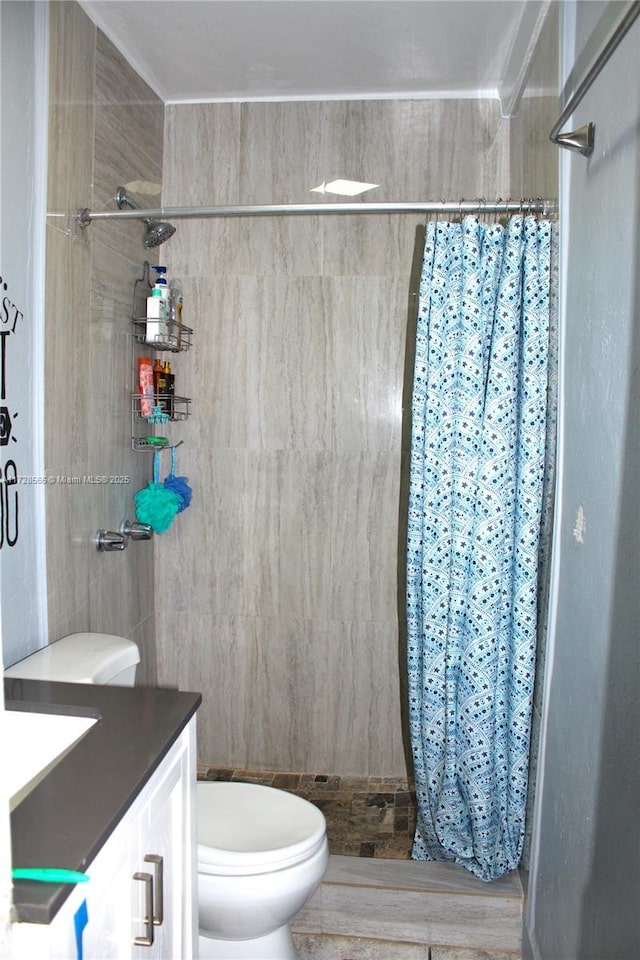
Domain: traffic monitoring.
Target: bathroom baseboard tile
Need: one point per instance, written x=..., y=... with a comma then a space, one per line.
x=419, y=875
x=458, y=953
x=319, y=947
x=434, y=918
x=407, y=901
x=328, y=947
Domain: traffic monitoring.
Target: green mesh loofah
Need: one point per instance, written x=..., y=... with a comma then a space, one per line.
x=156, y=504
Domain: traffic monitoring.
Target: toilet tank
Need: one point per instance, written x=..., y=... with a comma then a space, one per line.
x=99, y=658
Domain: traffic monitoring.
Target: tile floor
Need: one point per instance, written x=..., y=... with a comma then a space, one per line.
x=366, y=816
x=360, y=948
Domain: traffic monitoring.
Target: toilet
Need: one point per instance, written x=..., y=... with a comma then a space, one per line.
x=261, y=852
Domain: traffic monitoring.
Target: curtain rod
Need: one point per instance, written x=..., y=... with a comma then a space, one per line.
x=539, y=205
x=582, y=140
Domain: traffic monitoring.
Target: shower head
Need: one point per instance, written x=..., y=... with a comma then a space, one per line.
x=156, y=231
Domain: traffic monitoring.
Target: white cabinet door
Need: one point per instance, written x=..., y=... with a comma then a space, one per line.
x=99, y=910
x=156, y=837
x=162, y=855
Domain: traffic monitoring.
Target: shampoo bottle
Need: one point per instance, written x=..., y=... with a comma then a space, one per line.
x=145, y=386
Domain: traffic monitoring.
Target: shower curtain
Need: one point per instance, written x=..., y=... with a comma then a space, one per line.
x=476, y=478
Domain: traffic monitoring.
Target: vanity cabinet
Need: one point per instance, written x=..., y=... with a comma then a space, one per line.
x=147, y=863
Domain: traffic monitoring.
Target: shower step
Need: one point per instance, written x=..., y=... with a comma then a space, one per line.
x=417, y=902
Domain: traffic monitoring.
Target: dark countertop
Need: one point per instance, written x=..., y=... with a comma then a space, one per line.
x=67, y=818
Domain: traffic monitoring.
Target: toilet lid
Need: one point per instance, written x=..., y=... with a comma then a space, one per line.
x=246, y=828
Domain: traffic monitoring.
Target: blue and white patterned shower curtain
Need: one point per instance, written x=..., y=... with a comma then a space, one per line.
x=477, y=465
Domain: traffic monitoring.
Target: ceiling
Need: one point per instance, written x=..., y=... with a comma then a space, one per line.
x=207, y=50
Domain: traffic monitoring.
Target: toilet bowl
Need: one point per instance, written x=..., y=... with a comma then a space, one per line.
x=261, y=852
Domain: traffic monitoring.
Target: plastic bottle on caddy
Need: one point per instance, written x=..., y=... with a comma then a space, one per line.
x=170, y=390
x=158, y=309
x=160, y=385
x=175, y=313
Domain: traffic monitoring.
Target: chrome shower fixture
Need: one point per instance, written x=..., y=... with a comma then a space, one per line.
x=156, y=231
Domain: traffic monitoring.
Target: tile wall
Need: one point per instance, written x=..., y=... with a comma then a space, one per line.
x=106, y=129
x=277, y=592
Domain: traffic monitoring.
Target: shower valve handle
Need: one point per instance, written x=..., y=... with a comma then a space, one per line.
x=135, y=530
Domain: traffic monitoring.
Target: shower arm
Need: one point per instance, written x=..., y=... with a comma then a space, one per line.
x=539, y=206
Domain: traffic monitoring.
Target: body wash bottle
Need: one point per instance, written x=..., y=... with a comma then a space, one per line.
x=158, y=309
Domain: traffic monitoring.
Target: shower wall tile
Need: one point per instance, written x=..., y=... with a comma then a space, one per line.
x=366, y=323
x=71, y=109
x=288, y=173
x=287, y=558
x=375, y=245
x=118, y=85
x=299, y=375
x=362, y=728
x=210, y=654
x=70, y=525
x=124, y=157
x=202, y=556
x=281, y=246
x=67, y=426
x=202, y=156
x=288, y=692
x=534, y=167
x=534, y=159
x=106, y=128
x=129, y=126
x=289, y=376
x=416, y=149
x=144, y=637
x=114, y=257
x=363, y=532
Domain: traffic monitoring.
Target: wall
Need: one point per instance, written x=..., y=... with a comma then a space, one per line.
x=23, y=188
x=23, y=109
x=106, y=129
x=585, y=875
x=277, y=592
x=534, y=173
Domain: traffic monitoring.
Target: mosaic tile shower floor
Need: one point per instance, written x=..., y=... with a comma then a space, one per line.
x=366, y=816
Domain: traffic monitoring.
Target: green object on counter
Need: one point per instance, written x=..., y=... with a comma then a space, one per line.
x=49, y=875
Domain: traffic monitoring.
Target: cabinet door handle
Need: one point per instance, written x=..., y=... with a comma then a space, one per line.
x=147, y=939
x=158, y=905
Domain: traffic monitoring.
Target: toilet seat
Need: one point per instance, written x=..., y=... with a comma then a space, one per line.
x=247, y=828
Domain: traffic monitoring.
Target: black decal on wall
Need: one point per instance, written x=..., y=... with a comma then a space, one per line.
x=10, y=316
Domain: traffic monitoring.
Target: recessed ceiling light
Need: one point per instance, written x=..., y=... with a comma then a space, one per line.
x=344, y=188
